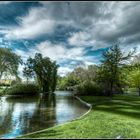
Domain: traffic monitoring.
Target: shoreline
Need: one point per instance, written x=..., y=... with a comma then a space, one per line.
x=83, y=102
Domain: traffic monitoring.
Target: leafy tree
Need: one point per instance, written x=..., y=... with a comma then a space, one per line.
x=9, y=62
x=134, y=79
x=111, y=68
x=77, y=77
x=45, y=71
x=28, y=71
x=54, y=76
x=80, y=74
x=72, y=79
x=62, y=82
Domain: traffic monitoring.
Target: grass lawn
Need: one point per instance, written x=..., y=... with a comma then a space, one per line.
x=108, y=119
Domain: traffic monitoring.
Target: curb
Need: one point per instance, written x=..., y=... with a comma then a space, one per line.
x=83, y=102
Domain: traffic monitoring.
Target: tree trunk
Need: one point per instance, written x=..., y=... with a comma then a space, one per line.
x=27, y=81
x=0, y=75
x=111, y=89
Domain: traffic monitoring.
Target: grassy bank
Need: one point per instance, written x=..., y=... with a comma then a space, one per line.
x=119, y=117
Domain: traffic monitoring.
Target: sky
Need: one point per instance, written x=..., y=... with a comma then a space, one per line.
x=71, y=33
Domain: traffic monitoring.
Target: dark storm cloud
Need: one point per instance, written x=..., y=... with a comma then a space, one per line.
x=82, y=13
x=125, y=19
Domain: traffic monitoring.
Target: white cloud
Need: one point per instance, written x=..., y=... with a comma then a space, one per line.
x=86, y=39
x=5, y=2
x=44, y=19
x=62, y=71
x=24, y=55
x=80, y=39
x=58, y=52
x=37, y=22
x=31, y=30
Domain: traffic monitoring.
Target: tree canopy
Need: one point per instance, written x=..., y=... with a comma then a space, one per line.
x=111, y=68
x=134, y=78
x=45, y=71
x=9, y=62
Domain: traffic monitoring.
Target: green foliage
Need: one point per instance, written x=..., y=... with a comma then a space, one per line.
x=54, y=76
x=9, y=62
x=15, y=82
x=77, y=77
x=110, y=75
x=88, y=88
x=134, y=78
x=2, y=88
x=45, y=71
x=62, y=83
x=72, y=80
x=28, y=71
x=23, y=89
x=110, y=71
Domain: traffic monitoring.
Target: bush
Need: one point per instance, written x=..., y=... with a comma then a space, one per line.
x=88, y=88
x=14, y=82
x=23, y=89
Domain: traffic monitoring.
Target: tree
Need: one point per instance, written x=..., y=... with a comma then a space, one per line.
x=9, y=62
x=134, y=79
x=28, y=71
x=45, y=71
x=110, y=70
x=54, y=76
x=77, y=77
x=80, y=74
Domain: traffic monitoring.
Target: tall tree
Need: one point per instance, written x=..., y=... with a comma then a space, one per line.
x=54, y=76
x=112, y=63
x=45, y=71
x=9, y=62
x=28, y=71
x=134, y=78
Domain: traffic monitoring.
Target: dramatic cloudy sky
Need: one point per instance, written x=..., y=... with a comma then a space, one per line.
x=72, y=33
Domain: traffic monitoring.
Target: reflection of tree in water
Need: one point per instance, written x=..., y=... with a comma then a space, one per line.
x=14, y=118
x=45, y=114
x=28, y=114
x=48, y=100
x=6, y=119
x=36, y=113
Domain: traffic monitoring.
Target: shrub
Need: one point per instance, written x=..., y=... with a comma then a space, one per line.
x=88, y=88
x=23, y=89
x=14, y=82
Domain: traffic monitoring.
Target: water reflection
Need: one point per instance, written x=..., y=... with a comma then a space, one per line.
x=21, y=115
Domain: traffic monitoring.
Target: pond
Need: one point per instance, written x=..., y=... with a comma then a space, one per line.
x=22, y=115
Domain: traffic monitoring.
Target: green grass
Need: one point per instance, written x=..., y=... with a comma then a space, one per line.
x=132, y=91
x=108, y=119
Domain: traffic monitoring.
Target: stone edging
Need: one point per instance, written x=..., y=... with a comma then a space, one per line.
x=83, y=102
x=87, y=104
